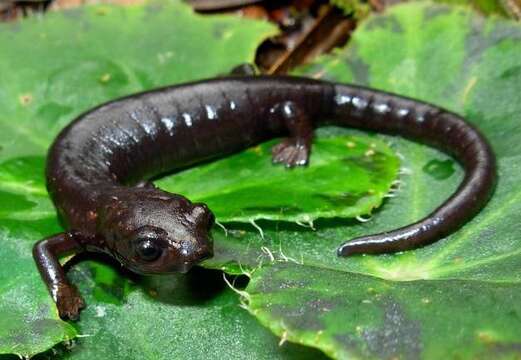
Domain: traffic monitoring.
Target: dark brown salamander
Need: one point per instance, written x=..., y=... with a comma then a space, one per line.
x=98, y=166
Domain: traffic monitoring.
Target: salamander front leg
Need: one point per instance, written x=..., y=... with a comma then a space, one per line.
x=294, y=151
x=64, y=294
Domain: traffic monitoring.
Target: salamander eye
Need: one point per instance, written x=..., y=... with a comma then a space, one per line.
x=148, y=250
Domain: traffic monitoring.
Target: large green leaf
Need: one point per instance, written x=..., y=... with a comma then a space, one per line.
x=483, y=6
x=361, y=8
x=457, y=298
x=350, y=315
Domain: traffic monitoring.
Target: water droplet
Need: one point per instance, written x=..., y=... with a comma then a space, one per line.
x=105, y=78
x=342, y=99
x=210, y=112
x=350, y=144
x=149, y=127
x=359, y=103
x=402, y=112
x=381, y=108
x=288, y=110
x=188, y=119
x=169, y=124
x=440, y=169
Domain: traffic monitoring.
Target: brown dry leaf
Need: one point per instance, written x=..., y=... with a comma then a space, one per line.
x=513, y=7
x=329, y=30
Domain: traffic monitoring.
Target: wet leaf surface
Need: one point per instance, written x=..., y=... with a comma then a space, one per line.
x=167, y=317
x=350, y=315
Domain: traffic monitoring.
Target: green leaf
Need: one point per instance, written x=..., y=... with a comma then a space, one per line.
x=348, y=176
x=51, y=70
x=484, y=6
x=457, y=298
x=354, y=316
x=28, y=320
x=360, y=8
x=167, y=317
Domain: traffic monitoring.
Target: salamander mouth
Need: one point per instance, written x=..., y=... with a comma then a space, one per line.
x=202, y=254
x=176, y=269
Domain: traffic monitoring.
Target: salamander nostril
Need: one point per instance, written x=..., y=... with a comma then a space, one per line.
x=204, y=253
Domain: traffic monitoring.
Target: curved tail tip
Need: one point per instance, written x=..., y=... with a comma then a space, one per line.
x=359, y=246
x=347, y=250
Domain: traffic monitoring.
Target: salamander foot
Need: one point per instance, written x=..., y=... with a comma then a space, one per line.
x=290, y=153
x=69, y=302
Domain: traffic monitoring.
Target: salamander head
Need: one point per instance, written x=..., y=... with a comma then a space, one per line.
x=151, y=231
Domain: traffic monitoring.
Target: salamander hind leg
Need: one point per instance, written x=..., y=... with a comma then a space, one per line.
x=245, y=69
x=65, y=295
x=290, y=154
x=294, y=150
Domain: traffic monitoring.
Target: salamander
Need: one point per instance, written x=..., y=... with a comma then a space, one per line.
x=99, y=167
